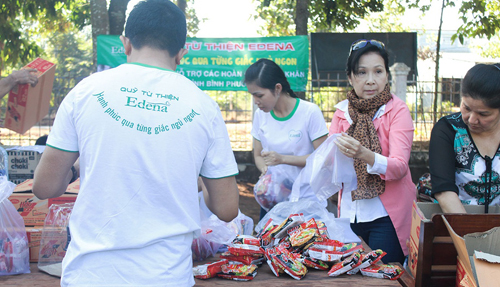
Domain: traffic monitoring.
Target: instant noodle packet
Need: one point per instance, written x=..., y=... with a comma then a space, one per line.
x=245, y=249
x=238, y=278
x=242, y=259
x=346, y=265
x=208, y=270
x=332, y=256
x=328, y=245
x=292, y=221
x=367, y=260
x=286, y=261
x=238, y=272
x=271, y=261
x=387, y=271
x=313, y=263
x=246, y=239
x=305, y=233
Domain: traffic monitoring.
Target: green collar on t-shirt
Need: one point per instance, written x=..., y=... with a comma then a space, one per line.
x=289, y=115
x=149, y=66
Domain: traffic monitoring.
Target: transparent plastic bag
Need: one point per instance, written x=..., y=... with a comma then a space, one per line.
x=327, y=170
x=214, y=233
x=4, y=163
x=14, y=250
x=55, y=238
x=273, y=187
x=338, y=228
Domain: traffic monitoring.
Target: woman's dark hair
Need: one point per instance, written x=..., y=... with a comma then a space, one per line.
x=353, y=59
x=482, y=82
x=266, y=74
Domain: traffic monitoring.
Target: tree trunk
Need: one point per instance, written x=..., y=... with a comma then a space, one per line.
x=100, y=24
x=301, y=17
x=182, y=5
x=116, y=14
x=436, y=75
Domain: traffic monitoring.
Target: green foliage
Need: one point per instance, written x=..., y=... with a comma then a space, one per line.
x=324, y=15
x=192, y=20
x=388, y=20
x=481, y=18
x=17, y=44
x=72, y=53
x=491, y=49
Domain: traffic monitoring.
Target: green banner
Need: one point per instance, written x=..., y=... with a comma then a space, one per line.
x=220, y=63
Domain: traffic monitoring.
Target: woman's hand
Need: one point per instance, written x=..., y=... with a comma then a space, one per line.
x=349, y=146
x=263, y=172
x=352, y=148
x=272, y=158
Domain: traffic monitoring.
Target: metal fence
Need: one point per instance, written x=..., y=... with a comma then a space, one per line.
x=237, y=108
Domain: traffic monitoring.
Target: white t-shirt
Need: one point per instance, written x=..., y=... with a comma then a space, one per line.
x=291, y=135
x=144, y=135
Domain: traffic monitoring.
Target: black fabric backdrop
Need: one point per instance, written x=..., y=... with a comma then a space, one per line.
x=329, y=52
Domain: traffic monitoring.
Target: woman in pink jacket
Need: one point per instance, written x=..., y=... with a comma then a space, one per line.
x=377, y=132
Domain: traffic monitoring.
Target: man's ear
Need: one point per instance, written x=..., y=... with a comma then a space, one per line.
x=178, y=57
x=126, y=44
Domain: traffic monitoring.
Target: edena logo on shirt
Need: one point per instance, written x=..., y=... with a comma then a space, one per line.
x=156, y=107
x=294, y=136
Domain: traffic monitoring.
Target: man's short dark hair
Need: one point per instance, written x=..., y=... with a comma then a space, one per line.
x=157, y=24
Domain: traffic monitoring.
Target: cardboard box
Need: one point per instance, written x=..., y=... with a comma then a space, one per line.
x=27, y=105
x=423, y=211
x=479, y=254
x=49, y=248
x=34, y=235
x=463, y=276
x=22, y=162
x=34, y=210
x=53, y=245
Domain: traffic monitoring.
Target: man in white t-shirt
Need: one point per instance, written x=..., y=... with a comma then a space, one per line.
x=143, y=134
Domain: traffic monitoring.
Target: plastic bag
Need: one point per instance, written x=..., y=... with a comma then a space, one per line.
x=14, y=250
x=214, y=233
x=4, y=163
x=327, y=170
x=338, y=228
x=273, y=187
x=55, y=238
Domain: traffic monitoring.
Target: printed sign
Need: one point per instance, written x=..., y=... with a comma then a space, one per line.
x=220, y=63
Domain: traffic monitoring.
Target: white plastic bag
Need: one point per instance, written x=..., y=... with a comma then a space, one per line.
x=338, y=228
x=327, y=170
x=273, y=187
x=214, y=232
x=14, y=250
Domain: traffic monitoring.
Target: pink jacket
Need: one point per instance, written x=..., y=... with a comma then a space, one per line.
x=395, y=131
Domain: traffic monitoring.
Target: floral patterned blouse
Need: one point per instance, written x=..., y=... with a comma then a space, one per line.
x=456, y=165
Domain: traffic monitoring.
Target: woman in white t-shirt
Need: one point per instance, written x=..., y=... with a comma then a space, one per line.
x=285, y=128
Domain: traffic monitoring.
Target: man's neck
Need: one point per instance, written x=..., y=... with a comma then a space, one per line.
x=152, y=57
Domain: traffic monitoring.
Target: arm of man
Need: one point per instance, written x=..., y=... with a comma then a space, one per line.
x=53, y=173
x=23, y=76
x=222, y=197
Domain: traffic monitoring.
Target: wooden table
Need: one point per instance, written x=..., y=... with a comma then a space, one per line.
x=264, y=277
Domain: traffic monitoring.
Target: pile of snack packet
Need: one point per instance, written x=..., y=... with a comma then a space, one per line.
x=292, y=247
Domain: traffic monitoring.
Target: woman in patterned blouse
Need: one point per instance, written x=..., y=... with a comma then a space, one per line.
x=464, y=152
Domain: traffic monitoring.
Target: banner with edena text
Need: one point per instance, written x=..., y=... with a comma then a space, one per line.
x=220, y=63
